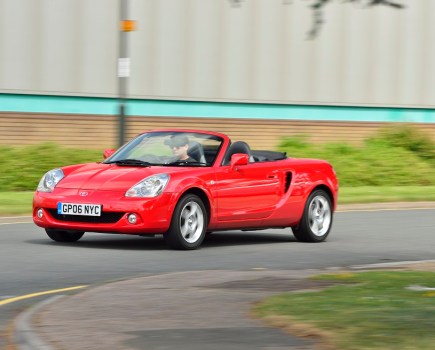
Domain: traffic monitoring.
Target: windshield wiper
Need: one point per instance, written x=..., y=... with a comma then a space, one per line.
x=130, y=162
x=185, y=162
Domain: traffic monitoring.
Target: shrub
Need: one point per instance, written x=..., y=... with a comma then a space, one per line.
x=24, y=166
x=394, y=157
x=406, y=137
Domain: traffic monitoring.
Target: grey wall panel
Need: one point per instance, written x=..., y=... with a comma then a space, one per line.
x=415, y=56
x=235, y=44
x=209, y=50
x=428, y=87
x=207, y=54
x=18, y=44
x=58, y=46
x=266, y=29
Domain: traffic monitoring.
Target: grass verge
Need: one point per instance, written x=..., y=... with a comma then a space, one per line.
x=15, y=203
x=370, y=310
x=380, y=194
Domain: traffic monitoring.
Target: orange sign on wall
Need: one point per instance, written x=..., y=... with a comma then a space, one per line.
x=128, y=25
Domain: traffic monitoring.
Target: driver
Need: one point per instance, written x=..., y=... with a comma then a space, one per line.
x=180, y=145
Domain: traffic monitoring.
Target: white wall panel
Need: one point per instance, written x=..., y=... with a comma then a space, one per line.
x=300, y=53
x=210, y=50
x=61, y=47
x=428, y=84
x=205, y=54
x=410, y=60
x=358, y=59
x=267, y=50
x=329, y=56
x=383, y=63
x=234, y=51
x=143, y=48
x=19, y=57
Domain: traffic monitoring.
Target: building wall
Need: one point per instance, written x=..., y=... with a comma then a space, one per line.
x=93, y=122
x=208, y=50
x=248, y=71
x=100, y=131
x=60, y=47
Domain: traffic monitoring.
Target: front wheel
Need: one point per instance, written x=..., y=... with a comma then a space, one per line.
x=64, y=236
x=188, y=225
x=316, y=221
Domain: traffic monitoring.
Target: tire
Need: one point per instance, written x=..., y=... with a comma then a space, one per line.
x=316, y=221
x=64, y=236
x=188, y=224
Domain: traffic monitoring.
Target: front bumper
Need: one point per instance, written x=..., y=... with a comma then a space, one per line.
x=154, y=214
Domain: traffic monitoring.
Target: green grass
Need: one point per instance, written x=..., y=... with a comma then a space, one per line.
x=379, y=194
x=15, y=203
x=372, y=310
x=23, y=167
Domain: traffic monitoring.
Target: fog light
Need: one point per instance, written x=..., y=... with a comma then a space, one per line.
x=132, y=218
x=40, y=213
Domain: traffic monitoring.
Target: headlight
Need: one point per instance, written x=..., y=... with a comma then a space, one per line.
x=150, y=187
x=50, y=180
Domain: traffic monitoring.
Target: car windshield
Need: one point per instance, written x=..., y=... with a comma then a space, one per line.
x=168, y=149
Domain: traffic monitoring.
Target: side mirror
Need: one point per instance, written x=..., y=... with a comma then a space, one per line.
x=239, y=159
x=108, y=152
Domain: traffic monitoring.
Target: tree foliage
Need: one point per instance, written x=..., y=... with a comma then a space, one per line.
x=317, y=7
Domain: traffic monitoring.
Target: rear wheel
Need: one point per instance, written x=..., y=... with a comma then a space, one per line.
x=64, y=236
x=188, y=225
x=317, y=218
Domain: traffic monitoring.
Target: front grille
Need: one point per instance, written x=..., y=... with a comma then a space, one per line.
x=105, y=218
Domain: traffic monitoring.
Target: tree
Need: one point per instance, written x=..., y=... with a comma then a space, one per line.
x=317, y=7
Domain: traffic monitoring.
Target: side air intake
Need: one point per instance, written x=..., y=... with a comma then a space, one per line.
x=288, y=181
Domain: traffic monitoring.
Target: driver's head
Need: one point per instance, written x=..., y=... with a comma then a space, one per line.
x=179, y=145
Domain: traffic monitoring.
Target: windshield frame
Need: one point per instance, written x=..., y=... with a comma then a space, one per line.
x=125, y=152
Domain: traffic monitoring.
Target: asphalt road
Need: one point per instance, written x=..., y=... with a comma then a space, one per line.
x=30, y=262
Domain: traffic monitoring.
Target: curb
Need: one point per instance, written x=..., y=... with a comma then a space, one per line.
x=25, y=337
x=393, y=265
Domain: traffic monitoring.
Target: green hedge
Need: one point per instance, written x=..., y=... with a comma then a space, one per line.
x=23, y=167
x=396, y=156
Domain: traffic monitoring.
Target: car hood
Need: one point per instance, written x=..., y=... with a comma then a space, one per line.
x=109, y=177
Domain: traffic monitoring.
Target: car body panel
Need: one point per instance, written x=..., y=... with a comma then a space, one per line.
x=260, y=194
x=248, y=192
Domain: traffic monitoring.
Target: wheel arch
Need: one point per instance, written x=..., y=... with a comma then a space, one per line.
x=328, y=192
x=203, y=196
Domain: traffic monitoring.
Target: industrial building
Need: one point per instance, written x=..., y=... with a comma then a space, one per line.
x=247, y=68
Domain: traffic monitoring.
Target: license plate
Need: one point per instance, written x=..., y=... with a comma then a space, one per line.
x=79, y=209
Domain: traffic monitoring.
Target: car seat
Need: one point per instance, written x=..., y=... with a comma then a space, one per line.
x=238, y=147
x=196, y=151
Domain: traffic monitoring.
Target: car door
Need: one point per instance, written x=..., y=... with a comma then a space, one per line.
x=247, y=192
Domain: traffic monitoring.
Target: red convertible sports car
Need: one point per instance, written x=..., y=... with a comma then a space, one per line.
x=184, y=184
